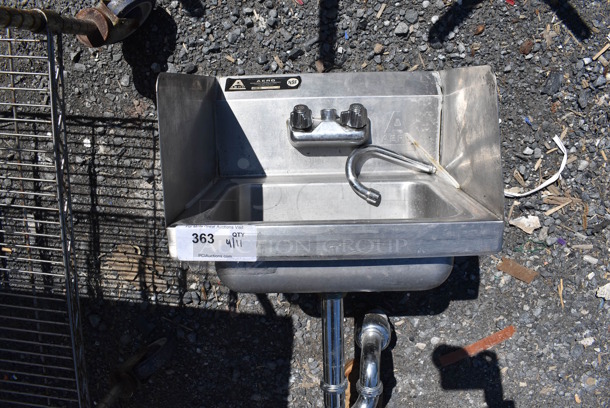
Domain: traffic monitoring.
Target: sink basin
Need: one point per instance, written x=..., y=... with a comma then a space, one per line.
x=275, y=217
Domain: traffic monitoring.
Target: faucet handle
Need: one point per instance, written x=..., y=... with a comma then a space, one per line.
x=356, y=117
x=300, y=117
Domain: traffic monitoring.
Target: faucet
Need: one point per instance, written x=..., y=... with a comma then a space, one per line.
x=359, y=156
x=350, y=128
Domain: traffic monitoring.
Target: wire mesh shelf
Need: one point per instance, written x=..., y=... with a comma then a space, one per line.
x=41, y=347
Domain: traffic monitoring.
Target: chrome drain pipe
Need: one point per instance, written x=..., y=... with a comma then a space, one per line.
x=374, y=337
x=334, y=382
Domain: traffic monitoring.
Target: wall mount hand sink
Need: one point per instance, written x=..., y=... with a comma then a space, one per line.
x=279, y=217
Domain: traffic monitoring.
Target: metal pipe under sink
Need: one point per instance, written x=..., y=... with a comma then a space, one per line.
x=374, y=337
x=334, y=382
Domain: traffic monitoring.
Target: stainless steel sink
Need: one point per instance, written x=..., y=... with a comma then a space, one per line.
x=282, y=216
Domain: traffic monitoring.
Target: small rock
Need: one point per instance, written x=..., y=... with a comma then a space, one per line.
x=124, y=81
x=553, y=83
x=587, y=341
x=421, y=346
x=286, y=35
x=434, y=19
x=248, y=11
x=233, y=36
x=589, y=383
x=378, y=48
x=577, y=351
x=435, y=340
x=508, y=68
x=295, y=53
x=425, y=4
x=544, y=233
x=550, y=241
x=528, y=151
x=75, y=55
x=590, y=259
x=600, y=81
x=273, y=13
x=272, y=22
x=582, y=165
x=401, y=29
x=147, y=175
x=190, y=69
x=603, y=292
x=262, y=59
x=587, y=60
x=583, y=99
x=526, y=47
x=310, y=42
x=80, y=67
x=537, y=153
x=411, y=16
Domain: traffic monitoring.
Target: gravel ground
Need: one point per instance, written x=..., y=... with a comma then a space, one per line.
x=237, y=350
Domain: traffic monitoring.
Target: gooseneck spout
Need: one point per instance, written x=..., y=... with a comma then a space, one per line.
x=359, y=156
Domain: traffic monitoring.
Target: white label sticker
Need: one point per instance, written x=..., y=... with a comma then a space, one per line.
x=230, y=243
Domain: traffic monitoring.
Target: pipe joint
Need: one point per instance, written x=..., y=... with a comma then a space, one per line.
x=369, y=392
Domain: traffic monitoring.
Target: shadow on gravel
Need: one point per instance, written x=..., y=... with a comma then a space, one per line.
x=148, y=50
x=478, y=372
x=458, y=13
x=462, y=284
x=116, y=204
x=221, y=359
x=194, y=8
x=328, y=15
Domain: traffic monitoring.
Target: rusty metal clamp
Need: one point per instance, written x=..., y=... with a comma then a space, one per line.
x=94, y=27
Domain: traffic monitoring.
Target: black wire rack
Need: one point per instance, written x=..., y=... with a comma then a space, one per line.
x=42, y=360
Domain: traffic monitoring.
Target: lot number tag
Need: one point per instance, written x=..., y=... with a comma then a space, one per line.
x=229, y=243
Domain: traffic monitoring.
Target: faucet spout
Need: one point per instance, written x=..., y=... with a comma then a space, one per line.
x=359, y=156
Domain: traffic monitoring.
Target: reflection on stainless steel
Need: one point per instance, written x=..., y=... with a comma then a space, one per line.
x=374, y=337
x=300, y=117
x=226, y=159
x=349, y=129
x=356, y=117
x=334, y=382
x=359, y=156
